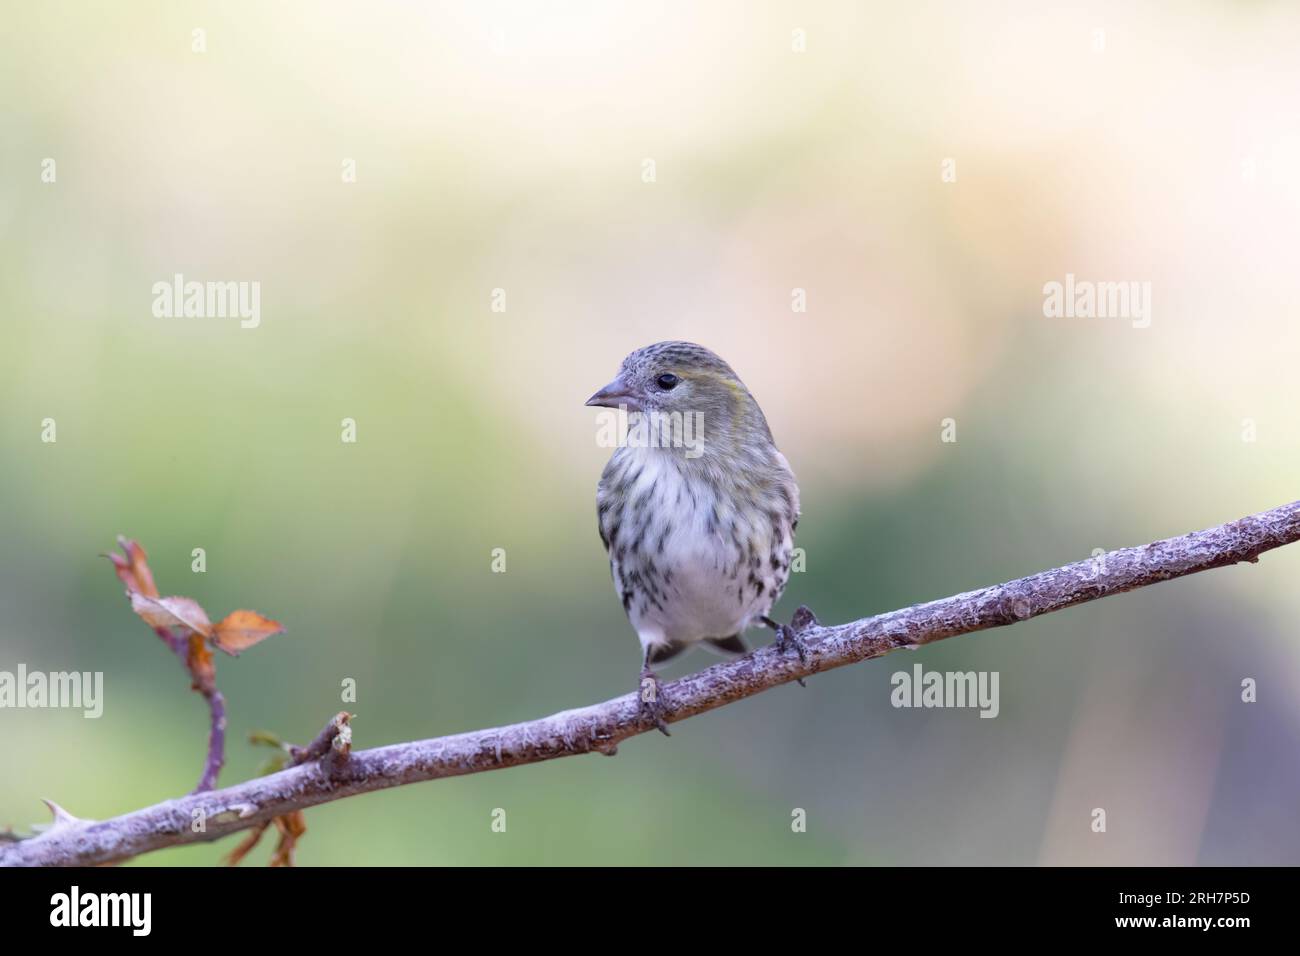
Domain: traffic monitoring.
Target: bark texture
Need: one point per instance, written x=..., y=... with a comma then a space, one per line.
x=601, y=727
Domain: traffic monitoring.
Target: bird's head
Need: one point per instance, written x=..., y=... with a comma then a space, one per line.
x=681, y=378
x=671, y=377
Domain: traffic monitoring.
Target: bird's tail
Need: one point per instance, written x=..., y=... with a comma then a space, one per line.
x=666, y=652
x=733, y=646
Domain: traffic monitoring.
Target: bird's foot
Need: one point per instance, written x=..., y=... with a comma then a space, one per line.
x=649, y=692
x=787, y=637
x=790, y=636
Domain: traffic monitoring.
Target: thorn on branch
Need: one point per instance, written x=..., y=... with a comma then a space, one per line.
x=62, y=819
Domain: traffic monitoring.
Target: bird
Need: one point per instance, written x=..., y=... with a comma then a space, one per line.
x=697, y=509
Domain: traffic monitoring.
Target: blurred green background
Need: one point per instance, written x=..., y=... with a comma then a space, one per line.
x=502, y=146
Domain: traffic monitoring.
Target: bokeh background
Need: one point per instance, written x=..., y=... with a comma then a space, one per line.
x=501, y=145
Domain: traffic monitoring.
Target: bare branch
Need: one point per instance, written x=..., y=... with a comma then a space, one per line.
x=216, y=741
x=335, y=740
x=334, y=743
x=602, y=726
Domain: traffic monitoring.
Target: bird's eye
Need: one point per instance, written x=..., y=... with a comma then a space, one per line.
x=667, y=381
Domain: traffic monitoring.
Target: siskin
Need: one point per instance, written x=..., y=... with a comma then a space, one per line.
x=697, y=509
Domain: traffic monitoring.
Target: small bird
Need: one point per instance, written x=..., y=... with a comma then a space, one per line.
x=697, y=508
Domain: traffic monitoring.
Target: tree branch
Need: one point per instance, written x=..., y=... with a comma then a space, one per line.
x=602, y=726
x=198, y=662
x=132, y=569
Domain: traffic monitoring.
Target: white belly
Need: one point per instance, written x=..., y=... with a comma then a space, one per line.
x=691, y=564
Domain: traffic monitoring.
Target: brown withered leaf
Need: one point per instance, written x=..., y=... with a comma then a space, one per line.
x=172, y=612
x=245, y=845
x=240, y=630
x=199, y=660
x=291, y=827
x=133, y=570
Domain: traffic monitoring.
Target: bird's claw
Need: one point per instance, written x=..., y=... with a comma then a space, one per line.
x=651, y=697
x=787, y=637
x=791, y=635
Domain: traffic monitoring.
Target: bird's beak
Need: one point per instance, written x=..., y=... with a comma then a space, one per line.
x=613, y=395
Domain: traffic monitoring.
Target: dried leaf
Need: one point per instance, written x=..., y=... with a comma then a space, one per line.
x=240, y=630
x=133, y=570
x=199, y=660
x=291, y=827
x=245, y=845
x=172, y=612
